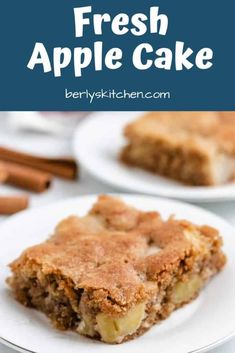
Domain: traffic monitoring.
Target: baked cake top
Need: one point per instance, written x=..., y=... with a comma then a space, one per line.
x=205, y=129
x=118, y=252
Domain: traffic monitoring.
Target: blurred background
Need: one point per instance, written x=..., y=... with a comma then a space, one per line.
x=49, y=136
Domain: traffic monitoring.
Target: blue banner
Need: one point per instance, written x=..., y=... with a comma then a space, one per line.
x=122, y=55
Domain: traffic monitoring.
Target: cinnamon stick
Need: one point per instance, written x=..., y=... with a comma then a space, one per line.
x=62, y=167
x=27, y=178
x=12, y=204
x=3, y=173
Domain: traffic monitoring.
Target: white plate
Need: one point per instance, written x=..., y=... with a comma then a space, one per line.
x=97, y=143
x=199, y=326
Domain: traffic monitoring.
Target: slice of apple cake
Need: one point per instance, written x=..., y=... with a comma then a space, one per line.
x=114, y=273
x=196, y=148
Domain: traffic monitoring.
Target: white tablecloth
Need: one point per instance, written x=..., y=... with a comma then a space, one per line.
x=86, y=185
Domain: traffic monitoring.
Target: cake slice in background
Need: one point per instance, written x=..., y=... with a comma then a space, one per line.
x=196, y=148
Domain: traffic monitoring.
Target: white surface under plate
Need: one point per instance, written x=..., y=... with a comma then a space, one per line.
x=199, y=326
x=97, y=143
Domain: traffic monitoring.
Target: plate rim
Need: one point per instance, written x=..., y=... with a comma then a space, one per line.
x=177, y=195
x=204, y=349
x=60, y=203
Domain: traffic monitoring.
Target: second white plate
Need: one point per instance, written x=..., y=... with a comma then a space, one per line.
x=97, y=143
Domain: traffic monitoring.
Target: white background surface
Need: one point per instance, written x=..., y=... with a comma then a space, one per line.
x=86, y=185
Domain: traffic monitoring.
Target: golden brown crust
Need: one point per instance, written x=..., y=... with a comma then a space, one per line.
x=197, y=128
x=112, y=259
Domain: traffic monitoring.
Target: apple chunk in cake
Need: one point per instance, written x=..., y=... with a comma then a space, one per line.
x=114, y=273
x=197, y=148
